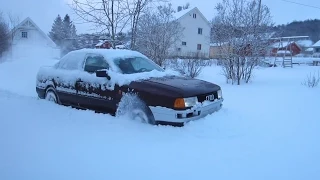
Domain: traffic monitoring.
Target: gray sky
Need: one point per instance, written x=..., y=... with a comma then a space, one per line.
x=43, y=12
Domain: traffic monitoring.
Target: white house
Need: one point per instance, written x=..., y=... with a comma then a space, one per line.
x=196, y=33
x=29, y=41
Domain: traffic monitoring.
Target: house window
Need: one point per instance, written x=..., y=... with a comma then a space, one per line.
x=194, y=15
x=199, y=30
x=184, y=43
x=198, y=46
x=24, y=34
x=178, y=49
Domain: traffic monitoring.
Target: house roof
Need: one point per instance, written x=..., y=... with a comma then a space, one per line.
x=184, y=12
x=101, y=42
x=309, y=49
x=290, y=37
x=317, y=44
x=305, y=43
x=181, y=13
x=281, y=44
x=28, y=19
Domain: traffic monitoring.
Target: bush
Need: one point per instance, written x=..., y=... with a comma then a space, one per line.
x=312, y=80
x=189, y=67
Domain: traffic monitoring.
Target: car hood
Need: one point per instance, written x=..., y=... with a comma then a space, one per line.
x=175, y=86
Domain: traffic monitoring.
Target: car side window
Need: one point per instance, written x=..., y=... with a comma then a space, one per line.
x=94, y=63
x=70, y=62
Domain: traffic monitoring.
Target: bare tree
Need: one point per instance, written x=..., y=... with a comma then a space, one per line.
x=158, y=33
x=8, y=31
x=4, y=35
x=135, y=9
x=242, y=35
x=110, y=15
x=13, y=23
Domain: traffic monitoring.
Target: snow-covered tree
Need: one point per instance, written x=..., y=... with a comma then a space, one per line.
x=241, y=29
x=64, y=34
x=67, y=27
x=69, y=41
x=4, y=35
x=158, y=33
x=56, y=33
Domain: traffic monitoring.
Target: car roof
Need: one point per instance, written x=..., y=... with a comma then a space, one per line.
x=110, y=54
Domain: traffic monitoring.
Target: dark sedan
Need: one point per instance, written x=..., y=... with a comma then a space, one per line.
x=124, y=82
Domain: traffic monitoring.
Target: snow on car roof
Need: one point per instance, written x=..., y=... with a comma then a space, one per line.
x=111, y=54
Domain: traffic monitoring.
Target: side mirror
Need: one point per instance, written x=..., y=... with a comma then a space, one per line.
x=103, y=73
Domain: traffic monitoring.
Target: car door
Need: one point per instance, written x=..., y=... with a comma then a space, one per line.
x=64, y=80
x=94, y=92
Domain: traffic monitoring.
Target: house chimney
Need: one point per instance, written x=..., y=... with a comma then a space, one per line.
x=179, y=8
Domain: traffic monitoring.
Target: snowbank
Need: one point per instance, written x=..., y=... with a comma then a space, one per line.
x=268, y=129
x=19, y=76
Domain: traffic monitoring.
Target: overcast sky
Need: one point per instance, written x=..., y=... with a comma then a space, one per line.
x=43, y=12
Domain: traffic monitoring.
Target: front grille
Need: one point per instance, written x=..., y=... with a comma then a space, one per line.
x=202, y=97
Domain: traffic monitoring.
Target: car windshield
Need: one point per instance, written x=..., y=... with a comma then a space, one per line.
x=133, y=65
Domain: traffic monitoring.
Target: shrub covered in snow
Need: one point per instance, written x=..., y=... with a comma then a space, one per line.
x=312, y=80
x=190, y=67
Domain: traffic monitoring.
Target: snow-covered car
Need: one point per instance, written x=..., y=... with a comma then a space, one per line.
x=125, y=82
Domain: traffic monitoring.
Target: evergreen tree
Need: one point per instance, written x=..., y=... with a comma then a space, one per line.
x=67, y=27
x=74, y=37
x=56, y=31
x=73, y=31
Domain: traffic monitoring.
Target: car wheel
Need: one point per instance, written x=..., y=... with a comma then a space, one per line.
x=51, y=95
x=133, y=107
x=142, y=114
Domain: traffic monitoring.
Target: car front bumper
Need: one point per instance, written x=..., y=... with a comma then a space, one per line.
x=164, y=114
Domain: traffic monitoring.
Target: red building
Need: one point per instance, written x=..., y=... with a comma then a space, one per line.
x=105, y=44
x=285, y=47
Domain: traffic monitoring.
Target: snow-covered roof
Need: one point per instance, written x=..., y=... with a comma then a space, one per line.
x=101, y=42
x=281, y=44
x=291, y=37
x=181, y=13
x=317, y=44
x=305, y=43
x=309, y=49
x=30, y=22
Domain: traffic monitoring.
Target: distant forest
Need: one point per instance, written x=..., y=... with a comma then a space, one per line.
x=309, y=28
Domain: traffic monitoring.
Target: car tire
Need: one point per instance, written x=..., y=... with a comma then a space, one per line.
x=133, y=107
x=51, y=95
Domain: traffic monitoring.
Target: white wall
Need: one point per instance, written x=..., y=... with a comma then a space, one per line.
x=32, y=46
x=191, y=36
x=35, y=38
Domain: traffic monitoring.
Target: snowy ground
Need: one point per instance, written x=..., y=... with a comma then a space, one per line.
x=295, y=60
x=269, y=129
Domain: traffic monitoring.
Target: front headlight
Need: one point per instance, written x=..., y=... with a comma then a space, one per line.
x=191, y=101
x=185, y=102
x=219, y=94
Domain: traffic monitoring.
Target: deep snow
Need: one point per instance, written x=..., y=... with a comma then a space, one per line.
x=268, y=129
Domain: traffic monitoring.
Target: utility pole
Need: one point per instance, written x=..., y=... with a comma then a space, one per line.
x=259, y=10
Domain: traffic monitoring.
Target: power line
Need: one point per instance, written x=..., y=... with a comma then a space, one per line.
x=301, y=4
